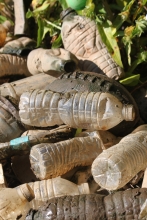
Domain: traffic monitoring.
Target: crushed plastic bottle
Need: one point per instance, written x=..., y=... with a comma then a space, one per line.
x=14, y=203
x=116, y=166
x=81, y=37
x=52, y=160
x=22, y=145
x=56, y=187
x=44, y=60
x=119, y=205
x=87, y=110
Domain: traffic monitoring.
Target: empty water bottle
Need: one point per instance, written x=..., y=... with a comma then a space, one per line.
x=45, y=61
x=87, y=110
x=14, y=203
x=52, y=160
x=81, y=37
x=116, y=166
x=56, y=187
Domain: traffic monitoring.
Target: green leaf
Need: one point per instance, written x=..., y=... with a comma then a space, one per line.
x=29, y=14
x=2, y=19
x=141, y=57
x=57, y=43
x=131, y=81
x=63, y=4
x=78, y=131
x=106, y=32
x=43, y=7
x=40, y=32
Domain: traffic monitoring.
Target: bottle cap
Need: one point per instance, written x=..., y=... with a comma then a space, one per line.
x=128, y=112
x=65, y=12
x=25, y=192
x=84, y=188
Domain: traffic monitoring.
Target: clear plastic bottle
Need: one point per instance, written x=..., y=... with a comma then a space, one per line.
x=52, y=160
x=14, y=203
x=116, y=166
x=81, y=37
x=56, y=187
x=86, y=110
x=44, y=60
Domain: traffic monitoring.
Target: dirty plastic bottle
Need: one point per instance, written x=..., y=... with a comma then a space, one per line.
x=44, y=60
x=56, y=187
x=86, y=110
x=21, y=46
x=116, y=166
x=13, y=65
x=119, y=205
x=22, y=145
x=81, y=37
x=50, y=160
x=10, y=128
x=14, y=203
x=15, y=89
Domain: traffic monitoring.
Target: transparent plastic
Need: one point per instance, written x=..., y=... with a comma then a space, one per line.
x=52, y=160
x=56, y=187
x=81, y=37
x=87, y=110
x=44, y=60
x=116, y=166
x=14, y=203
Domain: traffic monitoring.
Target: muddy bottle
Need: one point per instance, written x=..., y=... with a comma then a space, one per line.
x=50, y=160
x=44, y=61
x=119, y=205
x=22, y=145
x=86, y=110
x=81, y=37
x=56, y=187
x=116, y=166
x=14, y=203
x=21, y=46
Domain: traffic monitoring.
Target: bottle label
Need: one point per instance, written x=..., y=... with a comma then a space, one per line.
x=18, y=143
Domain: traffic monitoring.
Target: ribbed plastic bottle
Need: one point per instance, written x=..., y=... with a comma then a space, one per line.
x=56, y=187
x=14, y=203
x=44, y=60
x=125, y=205
x=116, y=166
x=86, y=110
x=22, y=145
x=81, y=37
x=52, y=160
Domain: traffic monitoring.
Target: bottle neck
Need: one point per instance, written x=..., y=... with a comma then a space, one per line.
x=128, y=112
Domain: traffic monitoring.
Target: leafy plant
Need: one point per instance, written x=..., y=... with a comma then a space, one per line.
x=121, y=23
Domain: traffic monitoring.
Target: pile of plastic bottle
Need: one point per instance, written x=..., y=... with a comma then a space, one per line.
x=77, y=129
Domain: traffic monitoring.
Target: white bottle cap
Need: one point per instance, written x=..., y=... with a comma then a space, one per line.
x=128, y=112
x=84, y=188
